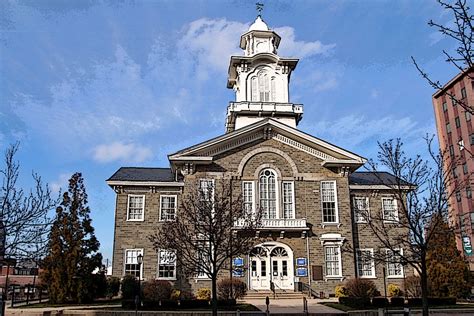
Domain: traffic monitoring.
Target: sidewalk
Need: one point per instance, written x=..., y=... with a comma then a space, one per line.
x=290, y=306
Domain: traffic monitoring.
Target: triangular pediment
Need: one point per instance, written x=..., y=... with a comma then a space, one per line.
x=330, y=154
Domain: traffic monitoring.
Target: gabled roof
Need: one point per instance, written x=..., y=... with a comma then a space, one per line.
x=329, y=153
x=368, y=178
x=142, y=174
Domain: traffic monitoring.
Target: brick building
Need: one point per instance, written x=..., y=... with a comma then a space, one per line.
x=456, y=136
x=304, y=185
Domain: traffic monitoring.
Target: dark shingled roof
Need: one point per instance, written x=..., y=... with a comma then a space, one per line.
x=143, y=174
x=374, y=178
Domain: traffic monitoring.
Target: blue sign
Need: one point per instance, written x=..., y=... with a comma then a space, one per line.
x=301, y=261
x=301, y=272
x=238, y=272
x=238, y=262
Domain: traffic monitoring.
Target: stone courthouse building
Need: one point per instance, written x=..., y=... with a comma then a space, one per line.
x=305, y=187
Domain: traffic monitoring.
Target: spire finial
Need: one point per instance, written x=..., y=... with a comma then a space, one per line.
x=259, y=7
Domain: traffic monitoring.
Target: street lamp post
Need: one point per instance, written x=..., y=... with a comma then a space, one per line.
x=137, y=297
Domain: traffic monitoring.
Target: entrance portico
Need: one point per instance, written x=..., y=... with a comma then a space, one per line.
x=271, y=262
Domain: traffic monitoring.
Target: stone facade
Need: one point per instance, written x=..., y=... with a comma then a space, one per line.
x=303, y=238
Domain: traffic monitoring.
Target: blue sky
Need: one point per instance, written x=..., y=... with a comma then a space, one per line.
x=91, y=86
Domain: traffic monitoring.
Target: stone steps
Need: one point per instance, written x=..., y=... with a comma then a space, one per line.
x=278, y=295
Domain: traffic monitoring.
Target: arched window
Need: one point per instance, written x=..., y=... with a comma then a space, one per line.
x=263, y=87
x=268, y=200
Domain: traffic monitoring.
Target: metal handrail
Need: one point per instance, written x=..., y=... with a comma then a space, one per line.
x=311, y=291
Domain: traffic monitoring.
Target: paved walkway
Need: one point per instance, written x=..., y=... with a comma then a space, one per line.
x=288, y=306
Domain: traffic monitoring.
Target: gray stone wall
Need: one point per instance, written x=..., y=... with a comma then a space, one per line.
x=307, y=173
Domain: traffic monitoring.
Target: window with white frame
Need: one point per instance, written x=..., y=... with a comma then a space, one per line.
x=332, y=258
x=136, y=207
x=131, y=266
x=203, y=259
x=365, y=263
x=329, y=201
x=206, y=188
x=288, y=200
x=389, y=209
x=361, y=209
x=247, y=195
x=267, y=190
x=168, y=207
x=394, y=263
x=167, y=264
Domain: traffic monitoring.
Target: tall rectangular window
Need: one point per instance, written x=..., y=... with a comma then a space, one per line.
x=468, y=115
x=389, y=209
x=131, y=266
x=166, y=264
x=167, y=207
x=361, y=209
x=463, y=93
x=448, y=128
x=332, y=258
x=136, y=207
x=365, y=263
x=206, y=188
x=457, y=121
x=329, y=201
x=445, y=106
x=394, y=263
x=288, y=200
x=248, y=195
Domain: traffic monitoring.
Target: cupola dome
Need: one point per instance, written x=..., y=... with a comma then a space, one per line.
x=259, y=25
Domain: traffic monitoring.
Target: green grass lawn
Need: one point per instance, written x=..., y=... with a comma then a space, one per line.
x=107, y=304
x=347, y=308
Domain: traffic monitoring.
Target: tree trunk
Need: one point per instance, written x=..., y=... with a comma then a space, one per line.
x=214, y=294
x=424, y=286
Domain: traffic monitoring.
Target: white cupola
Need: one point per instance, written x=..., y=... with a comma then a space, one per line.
x=261, y=80
x=259, y=39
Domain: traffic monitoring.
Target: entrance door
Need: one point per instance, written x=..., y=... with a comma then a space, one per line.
x=271, y=262
x=259, y=274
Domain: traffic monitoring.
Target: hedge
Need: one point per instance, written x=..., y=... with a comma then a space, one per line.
x=397, y=301
x=356, y=302
x=379, y=302
x=432, y=301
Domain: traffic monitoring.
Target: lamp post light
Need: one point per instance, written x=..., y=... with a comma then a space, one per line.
x=137, y=297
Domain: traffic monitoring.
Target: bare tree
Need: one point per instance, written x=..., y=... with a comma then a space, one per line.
x=421, y=189
x=462, y=33
x=211, y=227
x=23, y=213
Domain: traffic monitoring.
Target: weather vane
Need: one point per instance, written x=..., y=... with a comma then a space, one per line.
x=259, y=6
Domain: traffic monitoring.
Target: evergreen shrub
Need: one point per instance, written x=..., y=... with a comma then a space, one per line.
x=129, y=287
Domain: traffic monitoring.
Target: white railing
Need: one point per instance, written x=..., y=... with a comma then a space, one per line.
x=277, y=223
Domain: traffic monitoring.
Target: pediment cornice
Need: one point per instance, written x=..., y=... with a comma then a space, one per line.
x=269, y=129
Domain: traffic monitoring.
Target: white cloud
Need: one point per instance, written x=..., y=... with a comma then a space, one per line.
x=214, y=41
x=301, y=49
x=123, y=152
x=60, y=184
